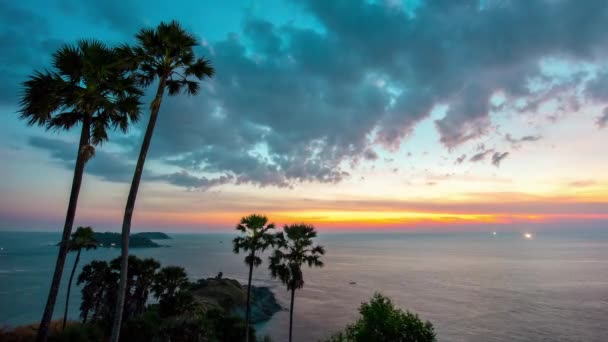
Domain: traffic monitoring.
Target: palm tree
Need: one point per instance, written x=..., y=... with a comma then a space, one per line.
x=97, y=281
x=168, y=286
x=258, y=238
x=166, y=54
x=82, y=238
x=145, y=273
x=295, y=248
x=88, y=85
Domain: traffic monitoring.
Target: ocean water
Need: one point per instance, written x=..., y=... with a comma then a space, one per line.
x=473, y=287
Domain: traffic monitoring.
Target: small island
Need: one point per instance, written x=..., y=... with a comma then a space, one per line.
x=139, y=240
x=153, y=235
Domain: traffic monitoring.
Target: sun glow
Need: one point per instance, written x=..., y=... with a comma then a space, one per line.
x=388, y=217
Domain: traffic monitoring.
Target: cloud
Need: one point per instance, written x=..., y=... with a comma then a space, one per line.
x=370, y=155
x=114, y=168
x=460, y=159
x=582, y=183
x=498, y=157
x=24, y=33
x=602, y=121
x=526, y=138
x=480, y=156
x=107, y=166
x=189, y=181
x=301, y=103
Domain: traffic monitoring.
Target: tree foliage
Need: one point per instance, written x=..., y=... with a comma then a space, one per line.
x=381, y=321
x=257, y=237
x=177, y=316
x=295, y=248
x=82, y=238
x=88, y=81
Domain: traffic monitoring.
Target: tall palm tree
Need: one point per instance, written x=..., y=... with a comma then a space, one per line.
x=257, y=238
x=295, y=248
x=91, y=86
x=164, y=54
x=82, y=238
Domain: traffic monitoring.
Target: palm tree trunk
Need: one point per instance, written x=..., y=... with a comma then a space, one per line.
x=67, y=298
x=81, y=159
x=126, y=223
x=293, y=293
x=248, y=314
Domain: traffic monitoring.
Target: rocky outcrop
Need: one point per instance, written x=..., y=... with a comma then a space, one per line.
x=230, y=295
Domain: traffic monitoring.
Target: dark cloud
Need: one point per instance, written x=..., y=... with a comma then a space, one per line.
x=189, y=181
x=312, y=98
x=370, y=155
x=498, y=157
x=124, y=16
x=602, y=120
x=480, y=156
x=114, y=168
x=517, y=142
x=107, y=166
x=461, y=159
x=24, y=36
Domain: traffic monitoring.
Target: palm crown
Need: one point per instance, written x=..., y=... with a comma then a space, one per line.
x=89, y=82
x=295, y=249
x=166, y=53
x=83, y=238
x=258, y=237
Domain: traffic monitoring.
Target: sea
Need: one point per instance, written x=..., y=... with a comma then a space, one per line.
x=479, y=287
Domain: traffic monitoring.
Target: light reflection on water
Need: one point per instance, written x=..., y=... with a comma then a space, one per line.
x=473, y=287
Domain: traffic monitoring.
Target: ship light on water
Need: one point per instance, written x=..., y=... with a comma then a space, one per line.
x=528, y=236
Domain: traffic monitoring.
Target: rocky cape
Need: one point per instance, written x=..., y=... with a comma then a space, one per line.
x=230, y=295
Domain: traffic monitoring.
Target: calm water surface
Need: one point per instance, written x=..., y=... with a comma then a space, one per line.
x=473, y=287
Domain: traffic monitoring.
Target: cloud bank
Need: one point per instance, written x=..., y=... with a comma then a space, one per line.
x=294, y=103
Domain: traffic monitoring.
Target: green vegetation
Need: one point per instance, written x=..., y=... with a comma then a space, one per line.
x=88, y=85
x=164, y=54
x=380, y=321
x=257, y=239
x=295, y=248
x=183, y=311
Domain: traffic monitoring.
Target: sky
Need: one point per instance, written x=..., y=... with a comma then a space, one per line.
x=347, y=114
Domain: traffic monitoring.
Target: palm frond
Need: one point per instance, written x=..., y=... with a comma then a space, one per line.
x=64, y=121
x=68, y=62
x=42, y=96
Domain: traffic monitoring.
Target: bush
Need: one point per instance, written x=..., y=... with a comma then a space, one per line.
x=380, y=321
x=77, y=333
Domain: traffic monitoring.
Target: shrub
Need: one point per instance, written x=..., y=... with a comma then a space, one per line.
x=78, y=333
x=381, y=321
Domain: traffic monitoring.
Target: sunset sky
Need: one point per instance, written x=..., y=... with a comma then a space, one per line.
x=348, y=114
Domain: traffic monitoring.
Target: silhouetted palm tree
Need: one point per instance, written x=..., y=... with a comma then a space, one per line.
x=82, y=238
x=295, y=248
x=164, y=54
x=145, y=273
x=88, y=85
x=169, y=283
x=98, y=285
x=258, y=238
